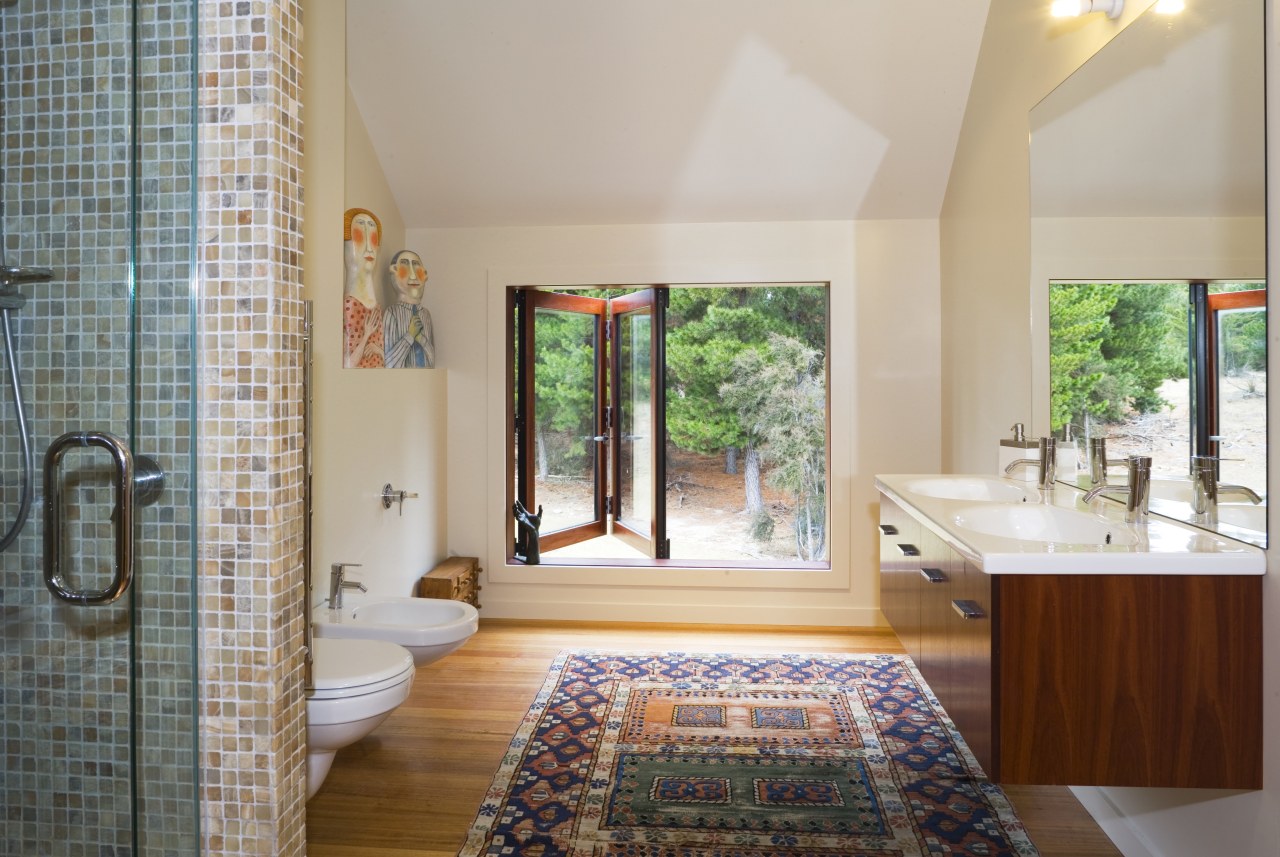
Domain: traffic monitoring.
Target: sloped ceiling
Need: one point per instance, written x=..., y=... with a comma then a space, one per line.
x=580, y=112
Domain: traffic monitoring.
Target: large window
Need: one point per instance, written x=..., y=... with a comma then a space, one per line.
x=684, y=423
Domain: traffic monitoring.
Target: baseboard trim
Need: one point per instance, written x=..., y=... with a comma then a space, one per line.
x=699, y=614
x=1118, y=827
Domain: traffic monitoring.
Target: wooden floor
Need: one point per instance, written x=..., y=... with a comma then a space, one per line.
x=412, y=788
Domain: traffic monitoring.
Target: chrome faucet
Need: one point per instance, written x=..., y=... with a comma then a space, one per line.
x=1206, y=489
x=1047, y=463
x=1098, y=461
x=1137, y=492
x=338, y=583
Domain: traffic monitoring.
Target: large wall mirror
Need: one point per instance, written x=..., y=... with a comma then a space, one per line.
x=1149, y=257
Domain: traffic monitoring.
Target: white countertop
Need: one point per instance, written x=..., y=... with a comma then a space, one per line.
x=1163, y=546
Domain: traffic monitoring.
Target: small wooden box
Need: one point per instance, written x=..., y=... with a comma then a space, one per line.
x=456, y=578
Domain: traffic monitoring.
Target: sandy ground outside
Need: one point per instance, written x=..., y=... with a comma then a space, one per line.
x=706, y=517
x=1165, y=435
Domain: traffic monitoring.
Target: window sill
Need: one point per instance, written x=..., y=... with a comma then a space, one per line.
x=669, y=574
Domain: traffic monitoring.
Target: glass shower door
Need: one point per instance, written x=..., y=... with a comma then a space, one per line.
x=98, y=701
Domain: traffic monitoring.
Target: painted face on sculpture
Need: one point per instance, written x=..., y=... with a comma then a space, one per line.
x=365, y=239
x=408, y=275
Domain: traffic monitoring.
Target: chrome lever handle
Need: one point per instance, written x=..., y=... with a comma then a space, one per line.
x=54, y=575
x=390, y=495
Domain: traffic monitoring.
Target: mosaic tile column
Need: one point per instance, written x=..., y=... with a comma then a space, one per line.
x=251, y=428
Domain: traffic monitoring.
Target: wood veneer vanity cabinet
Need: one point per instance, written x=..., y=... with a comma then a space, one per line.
x=1060, y=679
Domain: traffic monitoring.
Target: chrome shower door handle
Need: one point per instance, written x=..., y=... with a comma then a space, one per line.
x=54, y=575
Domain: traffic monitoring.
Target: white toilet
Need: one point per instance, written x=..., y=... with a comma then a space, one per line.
x=357, y=684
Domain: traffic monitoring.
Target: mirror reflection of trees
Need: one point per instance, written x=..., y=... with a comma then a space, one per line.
x=1112, y=347
x=1123, y=365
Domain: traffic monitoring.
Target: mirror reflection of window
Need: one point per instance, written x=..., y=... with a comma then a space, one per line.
x=1119, y=369
x=1238, y=343
x=1137, y=364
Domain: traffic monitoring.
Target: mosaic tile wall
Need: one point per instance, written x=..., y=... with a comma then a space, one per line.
x=66, y=180
x=251, y=427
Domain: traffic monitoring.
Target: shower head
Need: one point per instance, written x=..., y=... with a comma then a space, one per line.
x=12, y=275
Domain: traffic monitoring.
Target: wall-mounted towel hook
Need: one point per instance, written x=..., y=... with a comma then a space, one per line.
x=391, y=495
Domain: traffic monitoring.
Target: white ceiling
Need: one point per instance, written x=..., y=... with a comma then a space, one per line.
x=559, y=112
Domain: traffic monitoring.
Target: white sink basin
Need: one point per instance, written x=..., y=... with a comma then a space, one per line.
x=1044, y=524
x=969, y=488
x=1056, y=534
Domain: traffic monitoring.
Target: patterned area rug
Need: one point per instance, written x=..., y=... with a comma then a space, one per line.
x=682, y=755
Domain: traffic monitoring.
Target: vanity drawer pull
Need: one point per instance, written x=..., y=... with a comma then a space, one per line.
x=888, y=530
x=933, y=575
x=909, y=550
x=969, y=609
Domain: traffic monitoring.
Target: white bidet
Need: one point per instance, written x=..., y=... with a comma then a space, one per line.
x=429, y=628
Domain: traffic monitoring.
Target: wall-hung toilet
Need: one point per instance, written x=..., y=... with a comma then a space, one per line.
x=357, y=684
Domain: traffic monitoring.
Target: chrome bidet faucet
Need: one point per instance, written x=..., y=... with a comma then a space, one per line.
x=338, y=583
x=1137, y=492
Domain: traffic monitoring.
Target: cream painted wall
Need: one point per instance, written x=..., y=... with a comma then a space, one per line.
x=370, y=426
x=884, y=367
x=985, y=232
x=365, y=185
x=987, y=380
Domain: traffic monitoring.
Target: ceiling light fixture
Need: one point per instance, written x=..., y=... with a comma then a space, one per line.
x=1075, y=8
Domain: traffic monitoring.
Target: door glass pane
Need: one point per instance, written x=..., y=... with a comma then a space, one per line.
x=1242, y=403
x=566, y=454
x=636, y=449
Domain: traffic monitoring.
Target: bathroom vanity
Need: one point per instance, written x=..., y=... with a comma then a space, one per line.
x=1069, y=647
